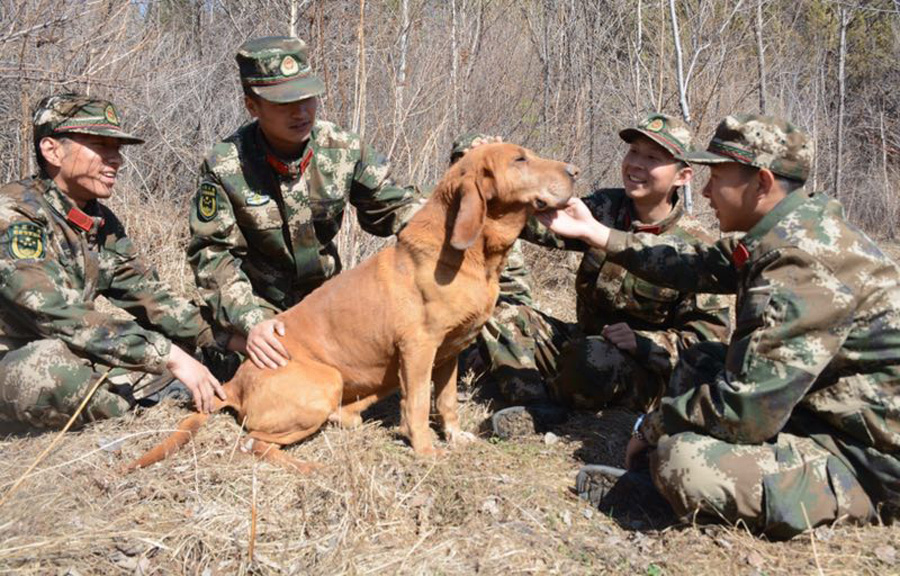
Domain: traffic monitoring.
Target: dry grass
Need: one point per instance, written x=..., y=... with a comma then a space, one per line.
x=491, y=508
x=373, y=508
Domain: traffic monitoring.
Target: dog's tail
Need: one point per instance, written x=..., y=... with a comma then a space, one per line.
x=186, y=430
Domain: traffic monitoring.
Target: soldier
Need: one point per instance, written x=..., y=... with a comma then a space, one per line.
x=271, y=199
x=629, y=331
x=796, y=422
x=61, y=249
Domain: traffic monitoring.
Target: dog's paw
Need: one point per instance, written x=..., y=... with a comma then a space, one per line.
x=430, y=451
x=457, y=438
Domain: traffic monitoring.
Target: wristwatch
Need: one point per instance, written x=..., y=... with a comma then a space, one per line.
x=636, y=431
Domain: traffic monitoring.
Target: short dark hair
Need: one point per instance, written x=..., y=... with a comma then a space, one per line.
x=788, y=184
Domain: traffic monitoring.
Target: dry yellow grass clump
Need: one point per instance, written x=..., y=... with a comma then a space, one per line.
x=373, y=508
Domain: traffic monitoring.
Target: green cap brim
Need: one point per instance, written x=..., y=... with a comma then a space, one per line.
x=290, y=91
x=629, y=134
x=100, y=131
x=706, y=157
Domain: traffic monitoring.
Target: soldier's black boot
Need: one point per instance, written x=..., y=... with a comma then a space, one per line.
x=628, y=496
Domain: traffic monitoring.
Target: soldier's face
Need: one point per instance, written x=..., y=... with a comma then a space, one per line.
x=85, y=167
x=650, y=172
x=732, y=192
x=286, y=126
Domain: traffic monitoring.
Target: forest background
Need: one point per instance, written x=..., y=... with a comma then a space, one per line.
x=559, y=76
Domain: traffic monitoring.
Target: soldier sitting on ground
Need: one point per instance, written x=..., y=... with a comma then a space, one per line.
x=61, y=249
x=796, y=422
x=629, y=331
x=271, y=200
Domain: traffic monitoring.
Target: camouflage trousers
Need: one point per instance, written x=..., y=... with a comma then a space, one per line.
x=780, y=488
x=535, y=357
x=43, y=383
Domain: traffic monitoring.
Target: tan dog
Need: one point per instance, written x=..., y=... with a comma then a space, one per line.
x=400, y=318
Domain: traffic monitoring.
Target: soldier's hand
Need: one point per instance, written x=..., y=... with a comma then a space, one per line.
x=575, y=221
x=202, y=384
x=264, y=345
x=622, y=336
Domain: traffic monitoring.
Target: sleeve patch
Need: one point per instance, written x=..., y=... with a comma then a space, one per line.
x=207, y=206
x=26, y=241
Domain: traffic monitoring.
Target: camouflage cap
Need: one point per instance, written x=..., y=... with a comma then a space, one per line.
x=75, y=114
x=276, y=68
x=760, y=141
x=668, y=131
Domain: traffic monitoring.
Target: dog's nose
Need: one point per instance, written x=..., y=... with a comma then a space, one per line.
x=572, y=170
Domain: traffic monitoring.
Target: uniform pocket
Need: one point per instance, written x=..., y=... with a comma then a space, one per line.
x=645, y=289
x=327, y=216
x=264, y=217
x=750, y=315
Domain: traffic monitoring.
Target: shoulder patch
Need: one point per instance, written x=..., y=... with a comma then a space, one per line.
x=207, y=205
x=26, y=241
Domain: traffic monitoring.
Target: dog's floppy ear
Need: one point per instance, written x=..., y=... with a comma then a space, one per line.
x=470, y=216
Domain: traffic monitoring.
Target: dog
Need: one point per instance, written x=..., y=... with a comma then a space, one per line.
x=399, y=319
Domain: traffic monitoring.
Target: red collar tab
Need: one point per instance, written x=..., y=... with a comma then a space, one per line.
x=289, y=170
x=654, y=229
x=740, y=256
x=651, y=229
x=80, y=219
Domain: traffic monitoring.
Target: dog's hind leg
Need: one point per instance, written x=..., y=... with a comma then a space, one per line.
x=273, y=453
x=289, y=404
x=445, y=398
x=348, y=414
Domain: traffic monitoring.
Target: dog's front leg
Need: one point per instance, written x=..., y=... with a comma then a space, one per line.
x=445, y=393
x=415, y=396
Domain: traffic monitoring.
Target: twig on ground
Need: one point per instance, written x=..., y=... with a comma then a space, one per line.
x=56, y=440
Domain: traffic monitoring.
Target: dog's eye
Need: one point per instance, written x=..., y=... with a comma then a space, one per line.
x=521, y=158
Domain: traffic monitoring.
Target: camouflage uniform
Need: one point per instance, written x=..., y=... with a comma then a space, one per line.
x=55, y=260
x=262, y=230
x=797, y=421
x=582, y=369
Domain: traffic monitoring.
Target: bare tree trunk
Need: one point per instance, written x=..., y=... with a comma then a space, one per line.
x=638, y=46
x=662, y=56
x=842, y=56
x=682, y=93
x=888, y=193
x=761, y=57
x=454, y=66
x=400, y=88
x=359, y=113
x=292, y=27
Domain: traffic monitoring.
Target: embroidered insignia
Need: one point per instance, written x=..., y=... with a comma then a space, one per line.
x=289, y=66
x=656, y=125
x=111, y=115
x=256, y=199
x=26, y=241
x=206, y=203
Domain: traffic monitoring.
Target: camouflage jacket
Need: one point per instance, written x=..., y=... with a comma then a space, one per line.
x=262, y=232
x=56, y=259
x=666, y=321
x=816, y=347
